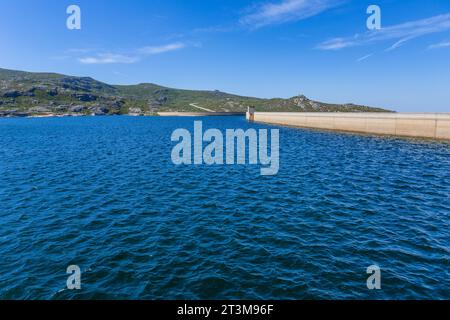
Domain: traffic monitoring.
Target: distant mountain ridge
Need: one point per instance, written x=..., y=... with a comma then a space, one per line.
x=27, y=94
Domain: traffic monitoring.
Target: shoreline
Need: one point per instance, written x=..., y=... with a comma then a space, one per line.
x=69, y=116
x=161, y=114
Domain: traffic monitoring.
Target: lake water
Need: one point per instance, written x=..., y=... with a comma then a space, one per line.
x=103, y=194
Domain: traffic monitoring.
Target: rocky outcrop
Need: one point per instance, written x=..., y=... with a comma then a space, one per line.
x=53, y=92
x=161, y=92
x=162, y=100
x=99, y=110
x=61, y=108
x=85, y=97
x=75, y=84
x=12, y=94
x=300, y=100
x=13, y=113
x=40, y=110
x=135, y=112
x=78, y=109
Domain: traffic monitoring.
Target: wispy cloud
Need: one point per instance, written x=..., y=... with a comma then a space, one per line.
x=214, y=29
x=440, y=45
x=108, y=58
x=135, y=56
x=162, y=49
x=285, y=11
x=364, y=57
x=402, y=33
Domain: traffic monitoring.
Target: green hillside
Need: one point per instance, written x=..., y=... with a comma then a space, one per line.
x=25, y=93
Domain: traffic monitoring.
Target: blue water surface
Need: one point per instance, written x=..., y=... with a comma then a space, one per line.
x=103, y=193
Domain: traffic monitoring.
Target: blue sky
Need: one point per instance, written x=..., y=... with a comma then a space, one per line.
x=273, y=48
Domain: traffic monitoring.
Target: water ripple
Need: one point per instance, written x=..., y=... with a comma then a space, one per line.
x=102, y=193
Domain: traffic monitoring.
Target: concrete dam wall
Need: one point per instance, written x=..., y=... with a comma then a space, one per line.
x=421, y=125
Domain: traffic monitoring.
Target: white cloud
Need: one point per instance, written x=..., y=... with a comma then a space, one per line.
x=108, y=58
x=214, y=29
x=162, y=49
x=440, y=45
x=138, y=55
x=285, y=11
x=401, y=33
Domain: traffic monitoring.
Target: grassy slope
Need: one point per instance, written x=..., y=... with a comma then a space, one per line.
x=31, y=92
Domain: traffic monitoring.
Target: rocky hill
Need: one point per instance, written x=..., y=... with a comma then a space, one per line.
x=31, y=94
